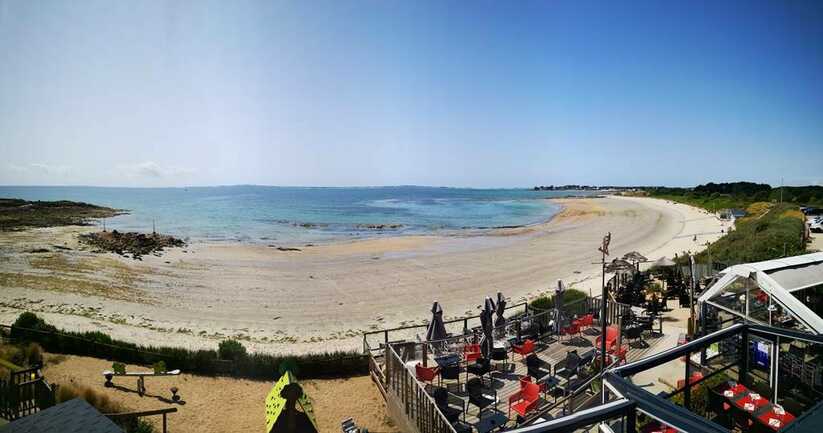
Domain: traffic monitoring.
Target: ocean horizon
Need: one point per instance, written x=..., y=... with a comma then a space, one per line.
x=294, y=215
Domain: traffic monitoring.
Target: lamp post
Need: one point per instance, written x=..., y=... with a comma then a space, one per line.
x=604, y=250
x=693, y=282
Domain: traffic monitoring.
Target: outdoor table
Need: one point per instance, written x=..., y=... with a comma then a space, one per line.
x=549, y=382
x=491, y=422
x=768, y=413
x=446, y=360
x=747, y=399
x=734, y=391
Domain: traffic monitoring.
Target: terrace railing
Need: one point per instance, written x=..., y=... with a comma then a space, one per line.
x=24, y=393
x=412, y=398
x=129, y=419
x=378, y=339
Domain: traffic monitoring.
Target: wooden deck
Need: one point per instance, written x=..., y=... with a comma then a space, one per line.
x=506, y=383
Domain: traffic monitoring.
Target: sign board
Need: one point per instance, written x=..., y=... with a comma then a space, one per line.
x=275, y=403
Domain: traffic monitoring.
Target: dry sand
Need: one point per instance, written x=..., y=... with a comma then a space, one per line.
x=323, y=297
x=217, y=404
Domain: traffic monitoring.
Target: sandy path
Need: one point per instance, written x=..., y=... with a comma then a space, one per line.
x=217, y=404
x=323, y=297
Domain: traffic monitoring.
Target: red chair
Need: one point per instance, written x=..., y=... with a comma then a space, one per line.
x=525, y=380
x=526, y=400
x=611, y=338
x=571, y=329
x=585, y=321
x=524, y=349
x=426, y=374
x=681, y=383
x=619, y=353
x=471, y=352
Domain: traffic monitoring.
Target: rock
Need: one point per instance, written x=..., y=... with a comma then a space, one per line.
x=136, y=244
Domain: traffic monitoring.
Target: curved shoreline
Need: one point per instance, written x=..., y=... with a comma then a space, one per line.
x=324, y=296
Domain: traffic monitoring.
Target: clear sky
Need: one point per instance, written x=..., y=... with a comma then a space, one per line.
x=472, y=93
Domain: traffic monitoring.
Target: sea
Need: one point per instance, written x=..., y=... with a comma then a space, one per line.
x=295, y=215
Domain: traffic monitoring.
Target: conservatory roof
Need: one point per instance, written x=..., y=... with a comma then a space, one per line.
x=779, y=278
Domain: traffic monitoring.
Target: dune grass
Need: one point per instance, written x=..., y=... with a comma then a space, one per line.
x=770, y=231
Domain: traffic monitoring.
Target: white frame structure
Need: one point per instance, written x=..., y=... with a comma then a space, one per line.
x=796, y=273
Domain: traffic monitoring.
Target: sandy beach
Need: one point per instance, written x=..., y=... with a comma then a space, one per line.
x=323, y=297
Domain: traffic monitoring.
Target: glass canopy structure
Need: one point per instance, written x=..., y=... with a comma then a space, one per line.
x=786, y=292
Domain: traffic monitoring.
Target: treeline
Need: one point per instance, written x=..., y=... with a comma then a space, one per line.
x=30, y=328
x=716, y=196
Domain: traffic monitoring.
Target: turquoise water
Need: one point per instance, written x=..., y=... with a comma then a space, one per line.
x=295, y=215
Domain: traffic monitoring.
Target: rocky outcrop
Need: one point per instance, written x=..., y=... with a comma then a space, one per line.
x=136, y=244
x=17, y=214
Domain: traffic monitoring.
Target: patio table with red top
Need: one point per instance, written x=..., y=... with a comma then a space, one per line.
x=749, y=404
x=761, y=409
x=766, y=416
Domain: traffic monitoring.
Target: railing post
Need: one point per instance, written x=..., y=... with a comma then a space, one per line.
x=164, y=423
x=631, y=421
x=687, y=393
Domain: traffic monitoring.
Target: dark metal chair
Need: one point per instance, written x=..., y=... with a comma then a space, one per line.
x=537, y=368
x=444, y=400
x=475, y=389
x=567, y=367
x=720, y=407
x=501, y=354
x=634, y=333
x=479, y=368
x=450, y=372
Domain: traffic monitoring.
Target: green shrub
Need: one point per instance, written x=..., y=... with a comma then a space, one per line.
x=143, y=427
x=231, y=350
x=700, y=394
x=31, y=321
x=254, y=366
x=34, y=354
x=572, y=298
x=100, y=401
x=14, y=355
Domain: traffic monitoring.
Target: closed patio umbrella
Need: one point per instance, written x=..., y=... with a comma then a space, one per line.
x=436, y=329
x=486, y=319
x=500, y=321
x=558, y=305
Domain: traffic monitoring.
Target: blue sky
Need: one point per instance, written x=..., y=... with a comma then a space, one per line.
x=482, y=94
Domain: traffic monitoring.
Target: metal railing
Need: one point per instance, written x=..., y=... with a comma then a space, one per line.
x=129, y=419
x=407, y=332
x=25, y=392
x=417, y=405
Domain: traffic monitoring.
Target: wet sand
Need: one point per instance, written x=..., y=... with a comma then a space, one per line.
x=323, y=297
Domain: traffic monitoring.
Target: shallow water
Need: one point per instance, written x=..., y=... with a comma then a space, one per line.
x=264, y=214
